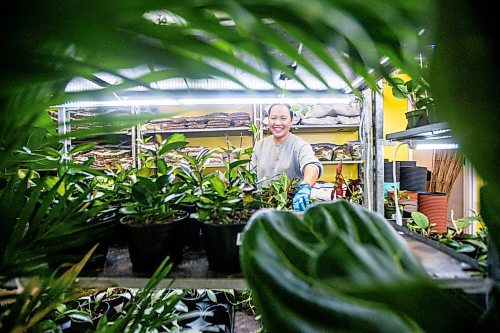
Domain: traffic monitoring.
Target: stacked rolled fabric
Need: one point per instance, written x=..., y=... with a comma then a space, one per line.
x=196, y=122
x=240, y=119
x=342, y=153
x=212, y=120
x=86, y=113
x=356, y=150
x=107, y=155
x=218, y=120
x=53, y=116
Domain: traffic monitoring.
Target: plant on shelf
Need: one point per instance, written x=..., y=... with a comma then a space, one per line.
x=153, y=216
x=418, y=94
x=390, y=203
x=225, y=201
x=229, y=196
x=419, y=223
x=474, y=245
x=349, y=190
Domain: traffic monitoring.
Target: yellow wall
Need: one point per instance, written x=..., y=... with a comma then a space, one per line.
x=394, y=121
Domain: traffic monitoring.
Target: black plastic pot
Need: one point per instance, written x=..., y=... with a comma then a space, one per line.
x=192, y=230
x=220, y=246
x=149, y=244
x=416, y=118
x=413, y=178
x=388, y=177
x=407, y=163
x=221, y=319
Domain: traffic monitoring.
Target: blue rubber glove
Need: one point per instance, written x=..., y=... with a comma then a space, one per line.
x=301, y=198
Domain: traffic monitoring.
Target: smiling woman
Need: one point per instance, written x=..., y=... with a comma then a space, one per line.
x=288, y=153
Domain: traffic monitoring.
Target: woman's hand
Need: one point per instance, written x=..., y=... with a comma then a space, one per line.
x=301, y=198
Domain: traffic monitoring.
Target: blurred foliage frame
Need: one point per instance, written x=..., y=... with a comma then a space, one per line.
x=39, y=60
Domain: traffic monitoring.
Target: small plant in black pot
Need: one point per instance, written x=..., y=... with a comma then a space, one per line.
x=226, y=202
x=154, y=220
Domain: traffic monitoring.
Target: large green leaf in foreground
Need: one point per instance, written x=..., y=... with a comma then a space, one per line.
x=341, y=268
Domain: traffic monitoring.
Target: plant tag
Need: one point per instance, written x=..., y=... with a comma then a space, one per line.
x=238, y=239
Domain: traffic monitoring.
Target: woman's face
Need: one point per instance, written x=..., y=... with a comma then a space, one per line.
x=280, y=121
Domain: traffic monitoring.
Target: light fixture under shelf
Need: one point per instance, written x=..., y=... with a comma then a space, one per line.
x=446, y=143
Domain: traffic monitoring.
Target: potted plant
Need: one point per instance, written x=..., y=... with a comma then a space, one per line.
x=192, y=172
x=390, y=203
x=419, y=98
x=56, y=221
x=154, y=219
x=226, y=200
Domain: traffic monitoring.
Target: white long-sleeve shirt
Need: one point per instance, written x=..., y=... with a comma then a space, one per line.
x=292, y=156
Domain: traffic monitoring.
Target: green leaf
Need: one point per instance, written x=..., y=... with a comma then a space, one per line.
x=235, y=164
x=174, y=142
x=218, y=185
x=478, y=244
x=206, y=199
x=465, y=248
x=162, y=166
x=461, y=224
x=144, y=191
x=420, y=219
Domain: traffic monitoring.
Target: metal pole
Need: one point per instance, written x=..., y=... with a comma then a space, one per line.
x=378, y=154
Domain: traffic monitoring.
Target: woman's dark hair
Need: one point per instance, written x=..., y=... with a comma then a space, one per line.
x=279, y=104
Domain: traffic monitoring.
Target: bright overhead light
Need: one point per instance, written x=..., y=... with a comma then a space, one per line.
x=210, y=101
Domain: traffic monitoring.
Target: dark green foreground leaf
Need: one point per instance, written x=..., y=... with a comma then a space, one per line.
x=341, y=268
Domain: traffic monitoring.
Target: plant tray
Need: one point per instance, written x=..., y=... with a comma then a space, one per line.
x=438, y=246
x=221, y=305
